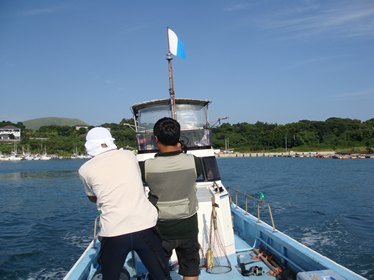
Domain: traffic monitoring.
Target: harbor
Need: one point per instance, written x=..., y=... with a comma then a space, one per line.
x=223, y=154
x=39, y=157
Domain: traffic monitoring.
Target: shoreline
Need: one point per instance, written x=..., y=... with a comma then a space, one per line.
x=330, y=154
x=295, y=154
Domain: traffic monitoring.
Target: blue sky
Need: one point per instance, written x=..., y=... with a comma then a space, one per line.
x=269, y=61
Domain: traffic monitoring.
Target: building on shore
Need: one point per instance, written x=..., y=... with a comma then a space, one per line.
x=10, y=133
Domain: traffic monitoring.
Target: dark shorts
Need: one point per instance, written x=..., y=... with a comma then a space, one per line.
x=187, y=251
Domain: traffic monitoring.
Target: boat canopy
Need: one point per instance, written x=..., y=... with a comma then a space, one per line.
x=192, y=115
x=137, y=107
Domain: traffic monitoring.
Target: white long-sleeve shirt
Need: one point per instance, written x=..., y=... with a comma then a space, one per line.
x=114, y=178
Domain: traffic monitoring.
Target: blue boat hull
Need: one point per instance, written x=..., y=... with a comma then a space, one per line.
x=292, y=254
x=249, y=235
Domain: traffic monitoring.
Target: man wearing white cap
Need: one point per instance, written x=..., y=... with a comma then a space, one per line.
x=112, y=180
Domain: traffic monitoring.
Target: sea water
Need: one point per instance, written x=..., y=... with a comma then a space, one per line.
x=327, y=204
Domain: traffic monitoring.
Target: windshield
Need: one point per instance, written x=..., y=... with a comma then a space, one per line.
x=191, y=117
x=147, y=117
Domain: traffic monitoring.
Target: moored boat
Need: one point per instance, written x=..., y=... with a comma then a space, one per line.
x=4, y=158
x=44, y=157
x=28, y=157
x=15, y=157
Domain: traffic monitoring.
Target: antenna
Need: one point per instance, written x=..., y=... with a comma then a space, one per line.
x=207, y=125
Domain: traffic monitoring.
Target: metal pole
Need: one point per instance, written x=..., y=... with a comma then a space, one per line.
x=236, y=199
x=171, y=83
x=246, y=205
x=286, y=143
x=271, y=217
x=294, y=140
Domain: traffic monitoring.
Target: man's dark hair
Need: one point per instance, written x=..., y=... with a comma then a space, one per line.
x=167, y=131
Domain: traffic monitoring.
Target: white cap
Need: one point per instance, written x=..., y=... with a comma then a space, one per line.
x=97, y=136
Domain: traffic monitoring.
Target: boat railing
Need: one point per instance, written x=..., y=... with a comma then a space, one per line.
x=246, y=205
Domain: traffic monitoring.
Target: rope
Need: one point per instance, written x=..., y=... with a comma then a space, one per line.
x=258, y=257
x=275, y=273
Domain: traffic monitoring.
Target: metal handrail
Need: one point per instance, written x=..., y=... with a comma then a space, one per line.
x=246, y=205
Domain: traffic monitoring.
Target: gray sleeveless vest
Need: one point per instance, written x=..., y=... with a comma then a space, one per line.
x=172, y=180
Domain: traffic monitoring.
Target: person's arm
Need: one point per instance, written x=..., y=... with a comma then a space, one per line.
x=142, y=171
x=199, y=168
x=88, y=190
x=92, y=198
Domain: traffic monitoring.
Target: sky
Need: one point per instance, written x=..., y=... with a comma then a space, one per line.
x=256, y=60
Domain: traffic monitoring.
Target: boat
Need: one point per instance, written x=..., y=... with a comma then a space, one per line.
x=44, y=156
x=235, y=244
x=14, y=155
x=245, y=236
x=36, y=157
x=28, y=156
x=3, y=158
x=75, y=154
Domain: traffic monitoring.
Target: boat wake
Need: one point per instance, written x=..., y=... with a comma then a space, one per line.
x=77, y=240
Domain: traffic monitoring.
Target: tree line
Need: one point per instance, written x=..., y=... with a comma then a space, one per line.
x=65, y=140
x=333, y=134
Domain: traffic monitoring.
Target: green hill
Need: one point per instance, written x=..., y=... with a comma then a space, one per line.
x=37, y=123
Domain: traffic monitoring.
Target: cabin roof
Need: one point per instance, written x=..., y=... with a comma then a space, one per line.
x=8, y=127
x=166, y=101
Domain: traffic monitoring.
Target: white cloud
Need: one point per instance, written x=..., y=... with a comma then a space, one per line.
x=313, y=60
x=237, y=7
x=368, y=92
x=109, y=82
x=345, y=19
x=44, y=11
x=106, y=81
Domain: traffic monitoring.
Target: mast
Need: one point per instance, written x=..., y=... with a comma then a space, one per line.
x=171, y=83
